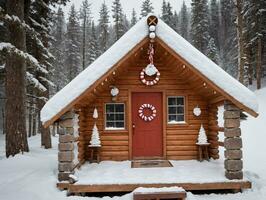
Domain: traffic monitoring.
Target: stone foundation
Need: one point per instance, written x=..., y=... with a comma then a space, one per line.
x=66, y=147
x=233, y=143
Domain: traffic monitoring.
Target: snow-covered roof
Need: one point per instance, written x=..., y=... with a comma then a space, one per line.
x=65, y=97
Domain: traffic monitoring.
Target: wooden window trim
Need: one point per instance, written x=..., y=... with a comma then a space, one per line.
x=116, y=130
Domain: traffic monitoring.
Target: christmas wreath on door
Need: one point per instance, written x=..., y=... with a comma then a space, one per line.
x=147, y=117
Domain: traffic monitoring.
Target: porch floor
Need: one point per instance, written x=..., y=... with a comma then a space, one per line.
x=110, y=176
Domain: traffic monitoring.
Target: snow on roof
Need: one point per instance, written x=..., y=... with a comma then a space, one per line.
x=127, y=42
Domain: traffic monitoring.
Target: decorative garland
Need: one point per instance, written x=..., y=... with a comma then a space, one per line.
x=152, y=82
x=150, y=70
x=144, y=117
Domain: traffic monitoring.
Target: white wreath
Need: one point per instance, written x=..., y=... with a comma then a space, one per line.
x=152, y=82
x=144, y=117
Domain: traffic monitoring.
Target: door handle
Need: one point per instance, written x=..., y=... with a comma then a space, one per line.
x=133, y=128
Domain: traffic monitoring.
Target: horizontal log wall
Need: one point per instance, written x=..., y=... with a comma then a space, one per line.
x=180, y=139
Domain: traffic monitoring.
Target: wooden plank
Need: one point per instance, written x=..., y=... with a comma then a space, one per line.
x=62, y=186
x=238, y=185
x=180, y=195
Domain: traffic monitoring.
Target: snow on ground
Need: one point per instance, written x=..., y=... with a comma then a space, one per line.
x=32, y=175
x=190, y=171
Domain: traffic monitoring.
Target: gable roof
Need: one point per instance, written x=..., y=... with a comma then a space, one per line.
x=67, y=96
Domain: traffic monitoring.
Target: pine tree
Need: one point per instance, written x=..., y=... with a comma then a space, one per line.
x=133, y=20
x=175, y=22
x=255, y=34
x=38, y=43
x=126, y=23
x=184, y=21
x=167, y=14
x=93, y=51
x=73, y=58
x=104, y=28
x=240, y=41
x=228, y=42
x=212, y=51
x=85, y=16
x=164, y=11
x=16, y=135
x=58, y=50
x=146, y=8
x=214, y=22
x=200, y=24
x=118, y=19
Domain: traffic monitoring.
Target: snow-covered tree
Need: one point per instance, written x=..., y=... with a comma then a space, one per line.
x=254, y=13
x=199, y=24
x=202, y=137
x=146, y=8
x=214, y=22
x=58, y=50
x=175, y=22
x=212, y=51
x=95, y=137
x=134, y=18
x=228, y=41
x=184, y=21
x=118, y=19
x=16, y=135
x=85, y=16
x=93, y=51
x=104, y=28
x=73, y=59
x=167, y=13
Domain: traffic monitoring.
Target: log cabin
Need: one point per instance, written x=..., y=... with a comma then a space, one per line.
x=148, y=95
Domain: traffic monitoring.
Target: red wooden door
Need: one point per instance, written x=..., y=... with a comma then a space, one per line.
x=147, y=135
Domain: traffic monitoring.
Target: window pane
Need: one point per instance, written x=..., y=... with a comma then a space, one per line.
x=110, y=117
x=119, y=124
x=171, y=101
x=180, y=118
x=172, y=110
x=172, y=118
x=119, y=107
x=109, y=108
x=180, y=101
x=180, y=110
x=119, y=117
x=110, y=124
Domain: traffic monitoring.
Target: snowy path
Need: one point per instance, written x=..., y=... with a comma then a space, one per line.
x=32, y=176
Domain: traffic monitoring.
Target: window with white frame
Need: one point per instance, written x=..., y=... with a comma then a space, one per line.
x=176, y=109
x=114, y=116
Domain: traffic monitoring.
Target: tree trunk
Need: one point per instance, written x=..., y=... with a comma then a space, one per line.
x=241, y=57
x=84, y=44
x=16, y=134
x=46, y=140
x=250, y=67
x=258, y=63
x=34, y=122
x=30, y=120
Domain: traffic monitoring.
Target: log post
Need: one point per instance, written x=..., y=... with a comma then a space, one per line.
x=66, y=147
x=213, y=131
x=233, y=143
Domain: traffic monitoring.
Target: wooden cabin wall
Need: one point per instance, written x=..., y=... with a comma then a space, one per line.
x=179, y=139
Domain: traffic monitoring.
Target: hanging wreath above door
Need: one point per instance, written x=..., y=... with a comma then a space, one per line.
x=150, y=117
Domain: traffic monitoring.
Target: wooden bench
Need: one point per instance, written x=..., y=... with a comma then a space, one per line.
x=181, y=195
